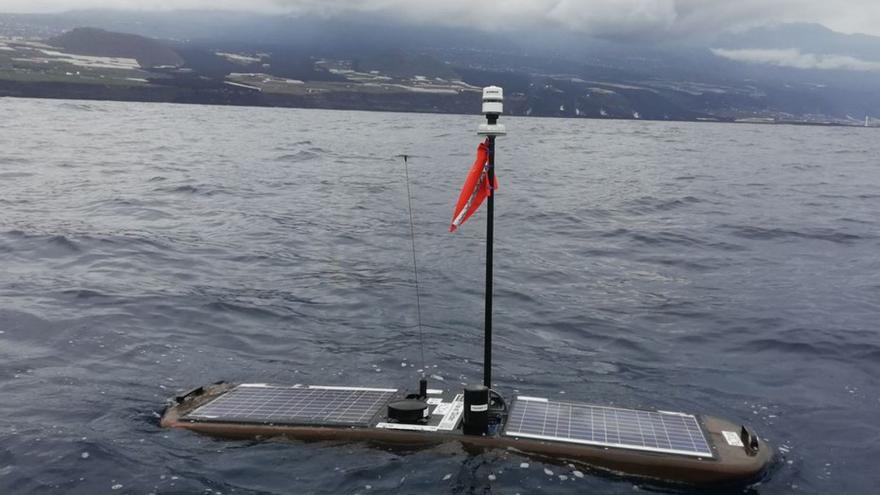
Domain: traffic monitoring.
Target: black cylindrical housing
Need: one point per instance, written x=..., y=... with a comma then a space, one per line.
x=476, y=410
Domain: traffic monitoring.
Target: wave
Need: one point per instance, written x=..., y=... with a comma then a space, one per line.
x=299, y=156
x=649, y=204
x=776, y=233
x=195, y=190
x=809, y=345
x=83, y=107
x=73, y=243
x=15, y=175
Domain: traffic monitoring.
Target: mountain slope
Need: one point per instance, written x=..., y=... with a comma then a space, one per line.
x=100, y=43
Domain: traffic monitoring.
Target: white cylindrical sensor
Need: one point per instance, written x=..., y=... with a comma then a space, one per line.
x=493, y=98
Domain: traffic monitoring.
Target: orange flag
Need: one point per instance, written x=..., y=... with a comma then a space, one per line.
x=476, y=188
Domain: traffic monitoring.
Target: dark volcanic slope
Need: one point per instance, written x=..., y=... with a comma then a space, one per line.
x=97, y=42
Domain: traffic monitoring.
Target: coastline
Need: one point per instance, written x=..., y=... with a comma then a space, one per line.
x=350, y=101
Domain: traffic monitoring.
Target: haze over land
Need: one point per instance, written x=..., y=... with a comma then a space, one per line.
x=663, y=59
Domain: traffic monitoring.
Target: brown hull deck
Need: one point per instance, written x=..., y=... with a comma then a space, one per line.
x=729, y=464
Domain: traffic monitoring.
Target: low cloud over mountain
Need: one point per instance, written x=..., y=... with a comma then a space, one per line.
x=793, y=58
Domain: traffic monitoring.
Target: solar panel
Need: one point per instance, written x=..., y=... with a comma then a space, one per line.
x=660, y=431
x=298, y=405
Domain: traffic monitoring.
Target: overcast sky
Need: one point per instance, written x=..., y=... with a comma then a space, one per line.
x=602, y=17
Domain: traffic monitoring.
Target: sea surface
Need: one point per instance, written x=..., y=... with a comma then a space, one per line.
x=146, y=249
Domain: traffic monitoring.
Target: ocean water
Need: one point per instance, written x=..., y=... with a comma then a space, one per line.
x=146, y=249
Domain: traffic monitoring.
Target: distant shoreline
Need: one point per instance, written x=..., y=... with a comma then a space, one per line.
x=393, y=103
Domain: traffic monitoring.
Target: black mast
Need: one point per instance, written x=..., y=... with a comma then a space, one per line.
x=493, y=98
x=490, y=229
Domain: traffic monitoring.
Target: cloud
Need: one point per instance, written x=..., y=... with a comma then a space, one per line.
x=794, y=58
x=614, y=17
x=642, y=18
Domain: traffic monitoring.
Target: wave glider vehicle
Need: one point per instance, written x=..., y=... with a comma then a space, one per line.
x=662, y=445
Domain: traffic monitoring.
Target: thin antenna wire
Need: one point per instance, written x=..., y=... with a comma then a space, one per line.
x=412, y=235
